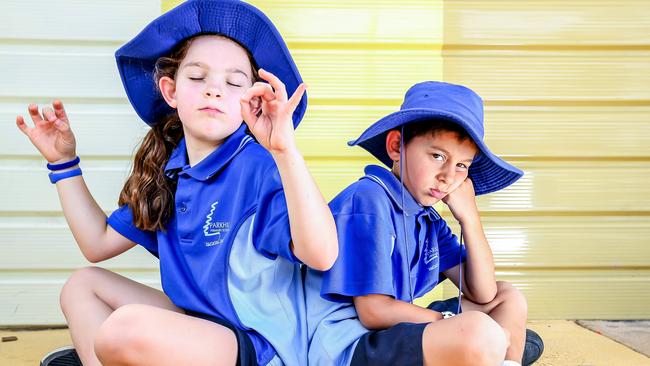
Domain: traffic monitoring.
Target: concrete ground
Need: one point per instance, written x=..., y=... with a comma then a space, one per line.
x=566, y=344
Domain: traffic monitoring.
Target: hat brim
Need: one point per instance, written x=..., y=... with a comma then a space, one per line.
x=234, y=19
x=488, y=172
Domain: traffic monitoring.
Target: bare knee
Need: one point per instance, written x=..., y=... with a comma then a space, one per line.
x=78, y=285
x=484, y=341
x=120, y=338
x=516, y=301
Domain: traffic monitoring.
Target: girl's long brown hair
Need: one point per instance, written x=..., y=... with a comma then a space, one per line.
x=148, y=191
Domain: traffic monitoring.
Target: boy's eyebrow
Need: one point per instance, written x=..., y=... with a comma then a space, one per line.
x=202, y=65
x=447, y=152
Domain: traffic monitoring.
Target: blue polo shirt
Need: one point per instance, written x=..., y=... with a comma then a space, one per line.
x=374, y=258
x=225, y=251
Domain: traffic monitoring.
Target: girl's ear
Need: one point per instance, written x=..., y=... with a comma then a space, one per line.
x=167, y=88
x=393, y=142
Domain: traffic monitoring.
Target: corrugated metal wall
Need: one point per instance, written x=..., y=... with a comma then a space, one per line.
x=62, y=50
x=567, y=93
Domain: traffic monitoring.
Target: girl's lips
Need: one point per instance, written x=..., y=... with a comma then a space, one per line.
x=438, y=194
x=211, y=110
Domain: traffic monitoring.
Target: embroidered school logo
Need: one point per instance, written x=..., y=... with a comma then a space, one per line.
x=215, y=230
x=430, y=256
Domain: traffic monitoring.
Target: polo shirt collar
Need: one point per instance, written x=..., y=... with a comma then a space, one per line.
x=393, y=187
x=211, y=164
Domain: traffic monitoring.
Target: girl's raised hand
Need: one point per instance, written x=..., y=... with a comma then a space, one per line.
x=273, y=128
x=51, y=133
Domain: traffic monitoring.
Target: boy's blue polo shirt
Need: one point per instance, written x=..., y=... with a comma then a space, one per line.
x=374, y=258
x=225, y=251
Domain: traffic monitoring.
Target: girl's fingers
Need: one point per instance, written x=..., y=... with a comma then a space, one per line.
x=48, y=114
x=35, y=115
x=297, y=96
x=276, y=83
x=246, y=112
x=59, y=111
x=261, y=90
x=20, y=122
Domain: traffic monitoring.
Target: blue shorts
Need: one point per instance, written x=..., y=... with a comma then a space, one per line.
x=400, y=344
x=246, y=355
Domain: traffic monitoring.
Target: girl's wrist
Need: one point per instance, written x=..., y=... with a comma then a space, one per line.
x=63, y=164
x=64, y=159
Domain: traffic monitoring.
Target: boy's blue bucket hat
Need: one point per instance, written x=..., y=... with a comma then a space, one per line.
x=432, y=100
x=234, y=19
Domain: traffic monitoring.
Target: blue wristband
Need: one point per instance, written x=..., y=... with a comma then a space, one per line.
x=55, y=177
x=66, y=165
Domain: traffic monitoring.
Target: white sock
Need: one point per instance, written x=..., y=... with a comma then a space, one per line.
x=510, y=363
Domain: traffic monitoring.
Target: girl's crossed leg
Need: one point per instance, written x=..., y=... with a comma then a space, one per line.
x=118, y=321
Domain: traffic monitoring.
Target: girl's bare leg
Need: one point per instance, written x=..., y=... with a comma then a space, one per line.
x=146, y=335
x=91, y=295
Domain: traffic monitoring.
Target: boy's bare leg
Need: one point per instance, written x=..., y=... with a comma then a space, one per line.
x=91, y=294
x=468, y=339
x=509, y=309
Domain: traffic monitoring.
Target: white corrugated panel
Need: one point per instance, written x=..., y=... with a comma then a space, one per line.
x=62, y=50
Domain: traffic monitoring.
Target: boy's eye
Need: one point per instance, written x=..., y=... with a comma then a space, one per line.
x=234, y=84
x=438, y=157
x=195, y=79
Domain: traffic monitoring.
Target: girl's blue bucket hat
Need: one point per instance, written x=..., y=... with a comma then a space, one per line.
x=234, y=19
x=432, y=100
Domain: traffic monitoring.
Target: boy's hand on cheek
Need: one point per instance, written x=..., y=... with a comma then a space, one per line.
x=462, y=202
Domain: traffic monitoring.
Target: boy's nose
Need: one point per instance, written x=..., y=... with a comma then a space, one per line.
x=446, y=175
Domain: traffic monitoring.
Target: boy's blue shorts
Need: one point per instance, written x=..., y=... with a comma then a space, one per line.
x=400, y=344
x=246, y=355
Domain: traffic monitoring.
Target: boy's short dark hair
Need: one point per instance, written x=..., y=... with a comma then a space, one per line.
x=431, y=126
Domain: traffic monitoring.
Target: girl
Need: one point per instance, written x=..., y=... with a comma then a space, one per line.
x=230, y=216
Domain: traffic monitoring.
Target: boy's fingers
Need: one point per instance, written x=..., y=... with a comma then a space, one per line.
x=297, y=96
x=276, y=83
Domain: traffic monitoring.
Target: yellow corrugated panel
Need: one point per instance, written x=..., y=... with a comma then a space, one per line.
x=569, y=24
x=568, y=100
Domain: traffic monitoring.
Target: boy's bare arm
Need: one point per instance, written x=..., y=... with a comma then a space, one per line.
x=383, y=311
x=479, y=281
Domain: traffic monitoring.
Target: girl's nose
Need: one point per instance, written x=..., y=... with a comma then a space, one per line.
x=213, y=91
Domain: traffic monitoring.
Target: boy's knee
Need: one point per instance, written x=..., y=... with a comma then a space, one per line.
x=511, y=295
x=121, y=337
x=79, y=283
x=484, y=341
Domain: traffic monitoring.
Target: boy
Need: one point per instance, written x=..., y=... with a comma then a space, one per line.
x=394, y=247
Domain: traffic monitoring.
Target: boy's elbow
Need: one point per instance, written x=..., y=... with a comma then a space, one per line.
x=369, y=310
